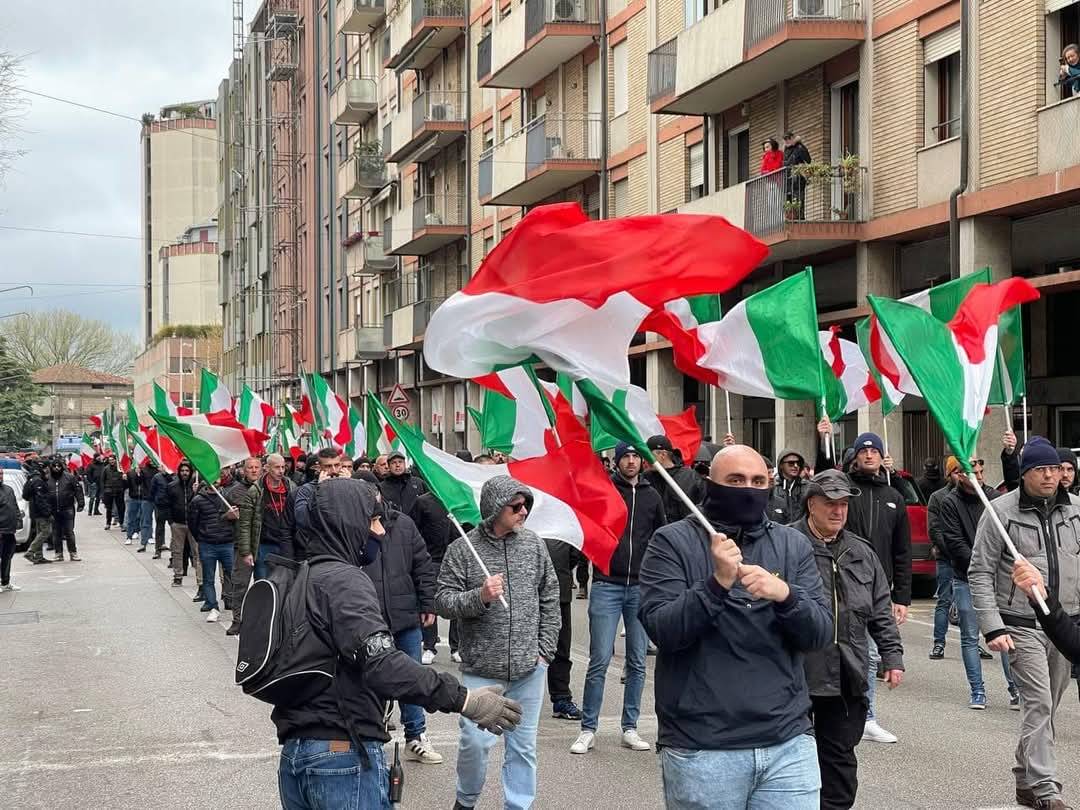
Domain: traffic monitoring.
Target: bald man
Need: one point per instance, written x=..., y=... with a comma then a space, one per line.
x=732, y=611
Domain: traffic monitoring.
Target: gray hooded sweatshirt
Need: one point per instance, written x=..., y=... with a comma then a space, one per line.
x=497, y=642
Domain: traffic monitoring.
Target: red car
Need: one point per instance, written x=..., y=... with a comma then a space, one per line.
x=923, y=562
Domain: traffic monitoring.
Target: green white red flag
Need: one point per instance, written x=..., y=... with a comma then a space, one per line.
x=953, y=363
x=98, y=420
x=254, y=411
x=286, y=439
x=163, y=403
x=517, y=419
x=87, y=450
x=331, y=414
x=383, y=433
x=851, y=386
x=213, y=395
x=572, y=292
x=210, y=447
x=574, y=499
x=679, y=321
x=358, y=443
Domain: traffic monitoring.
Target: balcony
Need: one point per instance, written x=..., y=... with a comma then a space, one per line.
x=432, y=121
x=413, y=297
x=362, y=173
x=434, y=221
x=484, y=168
x=548, y=155
x=364, y=255
x=1058, y=146
x=358, y=16
x=938, y=169
x=354, y=101
x=745, y=47
x=421, y=30
x=523, y=48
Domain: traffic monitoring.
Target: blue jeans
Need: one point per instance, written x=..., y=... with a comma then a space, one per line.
x=781, y=776
x=969, y=635
x=312, y=777
x=262, y=570
x=210, y=554
x=519, y=760
x=944, y=600
x=607, y=603
x=871, y=671
x=140, y=518
x=412, y=717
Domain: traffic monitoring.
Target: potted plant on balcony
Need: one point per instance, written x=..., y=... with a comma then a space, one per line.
x=822, y=176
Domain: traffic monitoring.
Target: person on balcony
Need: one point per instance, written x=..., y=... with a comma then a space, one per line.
x=795, y=154
x=1069, y=72
x=771, y=156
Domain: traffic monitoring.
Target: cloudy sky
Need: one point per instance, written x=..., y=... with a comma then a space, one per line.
x=81, y=169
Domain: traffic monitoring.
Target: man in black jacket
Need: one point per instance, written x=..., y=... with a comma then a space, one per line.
x=795, y=154
x=64, y=492
x=159, y=496
x=93, y=485
x=35, y=493
x=180, y=492
x=943, y=567
x=237, y=494
x=400, y=488
x=113, y=485
x=879, y=515
x=786, y=499
x=320, y=738
x=617, y=595
x=140, y=509
x=689, y=481
x=11, y=520
x=433, y=522
x=563, y=559
x=855, y=584
x=213, y=533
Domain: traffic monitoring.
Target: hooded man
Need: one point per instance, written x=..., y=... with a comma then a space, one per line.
x=617, y=595
x=113, y=484
x=298, y=474
x=739, y=605
x=64, y=492
x=932, y=480
x=786, y=498
x=35, y=493
x=179, y=493
x=399, y=487
x=689, y=481
x=319, y=739
x=511, y=645
x=1068, y=471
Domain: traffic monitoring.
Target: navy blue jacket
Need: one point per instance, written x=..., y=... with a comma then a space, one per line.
x=729, y=671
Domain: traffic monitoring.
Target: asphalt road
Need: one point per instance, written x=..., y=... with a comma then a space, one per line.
x=116, y=694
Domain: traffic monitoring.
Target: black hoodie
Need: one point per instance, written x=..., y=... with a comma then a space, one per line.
x=345, y=610
x=644, y=515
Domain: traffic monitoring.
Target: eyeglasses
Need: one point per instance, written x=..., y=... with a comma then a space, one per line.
x=1048, y=469
x=517, y=507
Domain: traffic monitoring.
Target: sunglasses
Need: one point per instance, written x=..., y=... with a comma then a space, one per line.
x=978, y=462
x=517, y=507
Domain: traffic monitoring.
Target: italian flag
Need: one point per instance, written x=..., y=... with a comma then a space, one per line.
x=143, y=452
x=255, y=412
x=163, y=403
x=765, y=346
x=287, y=435
x=850, y=385
x=330, y=411
x=891, y=396
x=572, y=292
x=383, y=432
x=358, y=442
x=113, y=429
x=306, y=415
x=517, y=418
x=574, y=500
x=953, y=363
x=213, y=395
x=210, y=447
x=679, y=321
x=98, y=420
x=86, y=450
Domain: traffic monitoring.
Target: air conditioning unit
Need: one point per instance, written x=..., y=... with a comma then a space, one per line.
x=555, y=148
x=432, y=219
x=441, y=112
x=569, y=11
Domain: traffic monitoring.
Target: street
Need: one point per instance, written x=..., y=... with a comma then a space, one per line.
x=117, y=694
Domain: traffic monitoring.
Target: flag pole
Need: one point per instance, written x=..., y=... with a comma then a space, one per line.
x=693, y=507
x=1023, y=404
x=727, y=405
x=476, y=555
x=217, y=492
x=885, y=442
x=996, y=520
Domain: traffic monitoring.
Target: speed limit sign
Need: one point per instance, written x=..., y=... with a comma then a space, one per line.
x=401, y=412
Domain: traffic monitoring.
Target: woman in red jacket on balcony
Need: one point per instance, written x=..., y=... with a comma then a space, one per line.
x=771, y=156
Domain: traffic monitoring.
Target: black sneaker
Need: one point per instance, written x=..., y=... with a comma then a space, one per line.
x=157, y=555
x=205, y=608
x=938, y=652
x=42, y=561
x=985, y=654
x=234, y=629
x=58, y=558
x=140, y=549
x=178, y=582
x=1025, y=797
x=565, y=710
x=198, y=597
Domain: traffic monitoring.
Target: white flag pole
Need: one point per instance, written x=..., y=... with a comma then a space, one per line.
x=1004, y=535
x=885, y=442
x=476, y=555
x=217, y=492
x=1023, y=404
x=727, y=405
x=693, y=507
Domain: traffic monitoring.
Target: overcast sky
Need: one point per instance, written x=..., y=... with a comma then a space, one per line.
x=81, y=170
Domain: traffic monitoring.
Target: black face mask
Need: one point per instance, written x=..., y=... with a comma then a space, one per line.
x=738, y=506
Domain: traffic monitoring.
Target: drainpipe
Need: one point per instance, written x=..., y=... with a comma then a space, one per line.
x=705, y=165
x=954, y=198
x=605, y=118
x=468, y=144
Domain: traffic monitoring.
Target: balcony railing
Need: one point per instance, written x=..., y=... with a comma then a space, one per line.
x=363, y=171
x=813, y=192
x=354, y=16
x=483, y=57
x=483, y=184
x=375, y=254
x=354, y=100
x=663, y=62
x=558, y=137
x=438, y=106
x=436, y=8
x=765, y=17
x=539, y=13
x=388, y=235
x=438, y=210
x=399, y=292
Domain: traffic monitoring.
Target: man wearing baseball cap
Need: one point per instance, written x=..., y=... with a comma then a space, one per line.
x=689, y=481
x=836, y=676
x=399, y=487
x=879, y=515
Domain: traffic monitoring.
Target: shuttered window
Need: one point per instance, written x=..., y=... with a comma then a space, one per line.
x=622, y=198
x=695, y=157
x=942, y=44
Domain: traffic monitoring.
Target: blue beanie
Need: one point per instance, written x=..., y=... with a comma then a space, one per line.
x=1038, y=452
x=866, y=440
x=621, y=449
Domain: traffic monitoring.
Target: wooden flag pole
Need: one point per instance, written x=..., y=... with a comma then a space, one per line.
x=475, y=553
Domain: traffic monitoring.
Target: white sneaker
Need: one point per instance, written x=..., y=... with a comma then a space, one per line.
x=455, y=656
x=127, y=542
x=212, y=616
x=11, y=587
x=135, y=536
x=632, y=740
x=584, y=743
x=427, y=657
x=872, y=732
x=422, y=751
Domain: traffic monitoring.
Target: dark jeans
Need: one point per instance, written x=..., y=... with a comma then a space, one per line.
x=64, y=530
x=431, y=634
x=114, y=502
x=312, y=777
x=262, y=568
x=559, y=672
x=7, y=551
x=241, y=577
x=838, y=727
x=412, y=717
x=582, y=573
x=210, y=554
x=92, y=496
x=161, y=517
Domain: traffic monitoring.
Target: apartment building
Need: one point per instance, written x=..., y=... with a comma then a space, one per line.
x=428, y=127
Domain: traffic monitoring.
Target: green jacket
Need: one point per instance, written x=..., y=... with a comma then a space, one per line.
x=249, y=525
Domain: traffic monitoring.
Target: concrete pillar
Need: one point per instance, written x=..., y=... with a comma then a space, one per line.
x=664, y=382
x=796, y=428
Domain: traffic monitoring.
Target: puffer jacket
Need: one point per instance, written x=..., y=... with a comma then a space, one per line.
x=855, y=586
x=786, y=498
x=64, y=492
x=11, y=518
x=1048, y=534
x=433, y=522
x=402, y=574
x=689, y=481
x=206, y=519
x=959, y=513
x=139, y=483
x=497, y=642
x=35, y=493
x=159, y=489
x=179, y=495
x=879, y=515
x=644, y=515
x=113, y=481
x=402, y=491
x=249, y=525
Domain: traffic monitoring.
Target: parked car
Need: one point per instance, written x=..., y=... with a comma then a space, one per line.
x=16, y=479
x=923, y=561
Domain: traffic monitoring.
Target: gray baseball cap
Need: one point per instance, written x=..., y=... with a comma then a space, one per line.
x=833, y=484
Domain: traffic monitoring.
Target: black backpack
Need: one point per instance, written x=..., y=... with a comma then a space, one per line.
x=283, y=660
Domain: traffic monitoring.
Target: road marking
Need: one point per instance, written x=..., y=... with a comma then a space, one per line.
x=24, y=768
x=62, y=580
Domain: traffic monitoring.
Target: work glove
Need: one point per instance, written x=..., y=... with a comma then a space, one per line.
x=490, y=710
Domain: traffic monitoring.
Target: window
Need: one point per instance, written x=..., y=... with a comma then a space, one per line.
x=621, y=190
x=622, y=77
x=695, y=171
x=941, y=55
x=505, y=128
x=737, y=167
x=693, y=10
x=489, y=243
x=1062, y=29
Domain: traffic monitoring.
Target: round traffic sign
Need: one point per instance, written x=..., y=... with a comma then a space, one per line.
x=401, y=412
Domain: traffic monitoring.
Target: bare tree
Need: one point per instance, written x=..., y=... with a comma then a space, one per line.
x=12, y=108
x=49, y=337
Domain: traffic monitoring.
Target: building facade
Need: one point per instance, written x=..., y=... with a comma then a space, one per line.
x=427, y=128
x=74, y=394
x=175, y=364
